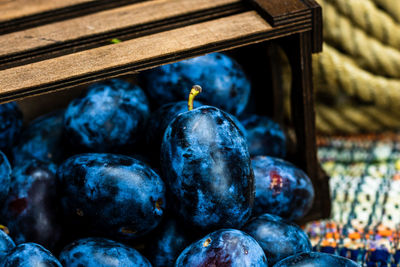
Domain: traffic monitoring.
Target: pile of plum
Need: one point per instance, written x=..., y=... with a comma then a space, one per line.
x=131, y=177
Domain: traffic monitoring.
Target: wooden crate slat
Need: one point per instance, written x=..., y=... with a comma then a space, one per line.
x=138, y=54
x=278, y=12
x=12, y=9
x=96, y=27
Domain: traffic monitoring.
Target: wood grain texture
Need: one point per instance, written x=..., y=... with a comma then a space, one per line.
x=279, y=12
x=101, y=27
x=11, y=9
x=53, y=15
x=141, y=53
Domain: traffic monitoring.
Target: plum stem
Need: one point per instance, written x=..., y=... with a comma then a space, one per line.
x=196, y=89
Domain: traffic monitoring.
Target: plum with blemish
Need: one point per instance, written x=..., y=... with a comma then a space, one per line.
x=5, y=176
x=6, y=245
x=31, y=208
x=29, y=255
x=277, y=237
x=227, y=86
x=111, y=195
x=226, y=247
x=316, y=259
x=109, y=118
x=207, y=166
x=10, y=125
x=264, y=136
x=42, y=140
x=100, y=252
x=281, y=188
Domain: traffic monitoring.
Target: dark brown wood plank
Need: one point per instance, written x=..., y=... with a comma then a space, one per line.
x=16, y=15
x=138, y=54
x=298, y=49
x=98, y=29
x=317, y=37
x=278, y=12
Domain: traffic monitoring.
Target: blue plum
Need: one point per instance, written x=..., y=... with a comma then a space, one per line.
x=109, y=118
x=10, y=125
x=167, y=243
x=29, y=255
x=277, y=237
x=316, y=259
x=226, y=247
x=100, y=252
x=30, y=210
x=160, y=119
x=281, y=188
x=5, y=176
x=227, y=85
x=42, y=140
x=111, y=195
x=264, y=136
x=207, y=166
x=158, y=123
x=6, y=245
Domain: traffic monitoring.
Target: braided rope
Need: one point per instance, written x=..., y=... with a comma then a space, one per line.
x=391, y=6
x=371, y=19
x=367, y=51
x=334, y=71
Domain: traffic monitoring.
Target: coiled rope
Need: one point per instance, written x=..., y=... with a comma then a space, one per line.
x=359, y=69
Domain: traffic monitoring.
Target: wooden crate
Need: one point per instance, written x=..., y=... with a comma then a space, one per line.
x=54, y=45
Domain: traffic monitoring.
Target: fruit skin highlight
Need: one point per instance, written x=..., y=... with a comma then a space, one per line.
x=206, y=164
x=281, y=188
x=31, y=209
x=42, y=140
x=277, y=237
x=97, y=252
x=109, y=118
x=10, y=125
x=226, y=84
x=111, y=195
x=30, y=254
x=226, y=247
x=316, y=259
x=6, y=245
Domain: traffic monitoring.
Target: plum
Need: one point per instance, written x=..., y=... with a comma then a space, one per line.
x=30, y=254
x=109, y=118
x=281, y=188
x=207, y=166
x=226, y=247
x=316, y=259
x=5, y=176
x=227, y=86
x=100, y=252
x=6, y=245
x=111, y=195
x=264, y=136
x=158, y=123
x=277, y=237
x=167, y=243
x=42, y=140
x=10, y=125
x=160, y=119
x=30, y=210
